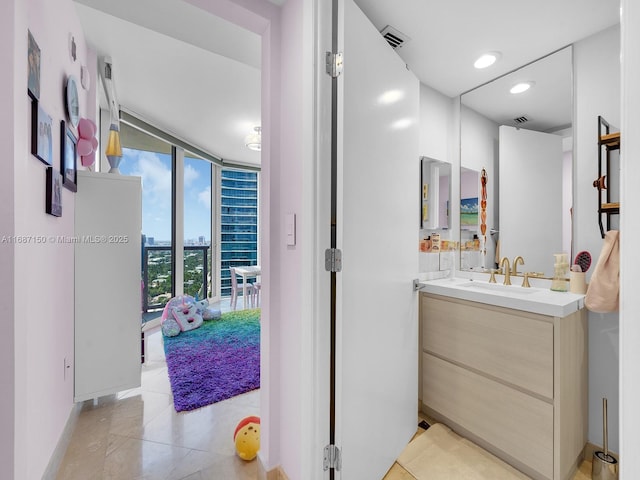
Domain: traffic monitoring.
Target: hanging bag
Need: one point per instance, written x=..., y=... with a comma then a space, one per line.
x=604, y=287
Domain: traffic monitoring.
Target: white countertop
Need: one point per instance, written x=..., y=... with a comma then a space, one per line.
x=534, y=299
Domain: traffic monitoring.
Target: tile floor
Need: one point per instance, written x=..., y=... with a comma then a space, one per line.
x=137, y=434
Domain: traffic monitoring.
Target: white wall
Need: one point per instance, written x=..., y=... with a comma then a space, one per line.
x=436, y=124
x=597, y=82
x=630, y=225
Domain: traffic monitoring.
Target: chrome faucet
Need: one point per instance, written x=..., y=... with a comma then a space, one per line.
x=514, y=265
x=506, y=270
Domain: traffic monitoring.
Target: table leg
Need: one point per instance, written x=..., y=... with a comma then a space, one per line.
x=244, y=292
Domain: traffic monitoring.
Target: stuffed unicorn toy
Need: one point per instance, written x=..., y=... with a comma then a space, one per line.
x=187, y=316
x=184, y=313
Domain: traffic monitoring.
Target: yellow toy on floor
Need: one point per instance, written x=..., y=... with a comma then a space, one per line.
x=247, y=438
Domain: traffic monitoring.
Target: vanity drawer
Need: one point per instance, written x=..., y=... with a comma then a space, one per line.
x=516, y=349
x=515, y=423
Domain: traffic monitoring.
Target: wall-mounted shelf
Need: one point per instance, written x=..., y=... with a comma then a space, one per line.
x=607, y=143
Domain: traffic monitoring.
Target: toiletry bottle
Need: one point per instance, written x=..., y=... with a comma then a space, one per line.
x=476, y=243
x=435, y=242
x=559, y=282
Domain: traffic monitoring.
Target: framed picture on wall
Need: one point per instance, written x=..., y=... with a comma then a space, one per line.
x=54, y=193
x=68, y=157
x=33, y=86
x=41, y=134
x=469, y=212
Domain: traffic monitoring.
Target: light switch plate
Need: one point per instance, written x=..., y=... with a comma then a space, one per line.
x=290, y=225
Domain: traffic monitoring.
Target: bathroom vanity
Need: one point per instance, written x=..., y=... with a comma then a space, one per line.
x=507, y=369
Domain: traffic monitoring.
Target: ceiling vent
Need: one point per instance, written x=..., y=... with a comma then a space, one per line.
x=394, y=37
x=520, y=120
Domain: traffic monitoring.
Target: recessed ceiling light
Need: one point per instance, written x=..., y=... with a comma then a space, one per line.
x=487, y=60
x=521, y=87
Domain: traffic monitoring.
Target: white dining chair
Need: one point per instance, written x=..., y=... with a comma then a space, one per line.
x=255, y=295
x=236, y=288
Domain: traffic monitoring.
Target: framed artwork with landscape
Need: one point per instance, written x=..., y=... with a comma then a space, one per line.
x=469, y=212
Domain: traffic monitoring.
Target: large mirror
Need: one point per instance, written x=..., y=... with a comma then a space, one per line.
x=523, y=141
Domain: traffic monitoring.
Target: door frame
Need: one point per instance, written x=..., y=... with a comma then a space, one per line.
x=270, y=22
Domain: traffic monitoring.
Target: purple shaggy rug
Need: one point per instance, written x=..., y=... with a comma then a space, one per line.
x=219, y=360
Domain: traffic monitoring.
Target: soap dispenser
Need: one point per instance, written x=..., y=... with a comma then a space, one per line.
x=560, y=273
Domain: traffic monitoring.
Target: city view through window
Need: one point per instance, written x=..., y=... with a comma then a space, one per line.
x=238, y=223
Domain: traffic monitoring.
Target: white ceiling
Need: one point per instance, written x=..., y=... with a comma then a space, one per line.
x=181, y=69
x=199, y=76
x=447, y=37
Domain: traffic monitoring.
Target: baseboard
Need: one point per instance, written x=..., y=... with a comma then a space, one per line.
x=590, y=449
x=51, y=471
x=274, y=474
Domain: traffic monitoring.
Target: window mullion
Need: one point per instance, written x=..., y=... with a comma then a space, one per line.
x=178, y=220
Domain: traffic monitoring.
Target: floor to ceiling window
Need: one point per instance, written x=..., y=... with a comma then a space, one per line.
x=218, y=205
x=238, y=222
x=197, y=227
x=150, y=158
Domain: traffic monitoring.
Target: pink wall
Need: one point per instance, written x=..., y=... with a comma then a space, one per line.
x=264, y=18
x=287, y=110
x=293, y=152
x=43, y=276
x=7, y=140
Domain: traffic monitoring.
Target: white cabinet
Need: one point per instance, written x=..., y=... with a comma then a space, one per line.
x=512, y=381
x=108, y=219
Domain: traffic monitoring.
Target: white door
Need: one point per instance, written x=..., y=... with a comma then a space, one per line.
x=377, y=228
x=531, y=171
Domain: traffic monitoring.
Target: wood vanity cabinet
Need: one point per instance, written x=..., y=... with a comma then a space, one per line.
x=512, y=381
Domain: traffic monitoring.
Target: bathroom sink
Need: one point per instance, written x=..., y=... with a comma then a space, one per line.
x=532, y=299
x=497, y=287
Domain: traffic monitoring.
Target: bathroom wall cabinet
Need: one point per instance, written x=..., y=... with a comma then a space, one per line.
x=608, y=187
x=512, y=381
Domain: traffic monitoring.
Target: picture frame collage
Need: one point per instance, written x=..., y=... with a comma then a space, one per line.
x=42, y=136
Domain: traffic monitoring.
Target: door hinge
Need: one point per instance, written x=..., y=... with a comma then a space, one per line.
x=332, y=458
x=333, y=260
x=334, y=64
